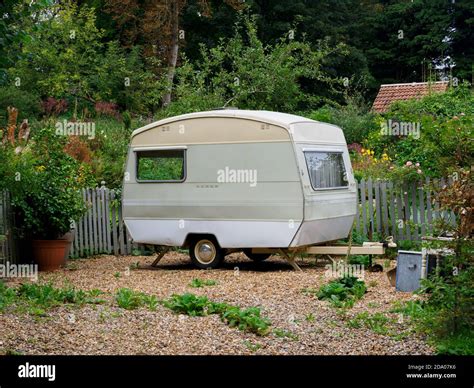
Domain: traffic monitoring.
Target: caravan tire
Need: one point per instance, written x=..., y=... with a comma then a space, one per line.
x=205, y=252
x=257, y=257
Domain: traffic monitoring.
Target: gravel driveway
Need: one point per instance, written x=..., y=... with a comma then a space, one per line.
x=302, y=324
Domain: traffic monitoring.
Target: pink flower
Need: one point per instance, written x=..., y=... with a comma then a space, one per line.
x=417, y=165
x=408, y=163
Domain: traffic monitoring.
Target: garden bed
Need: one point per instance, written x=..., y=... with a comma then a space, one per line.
x=300, y=322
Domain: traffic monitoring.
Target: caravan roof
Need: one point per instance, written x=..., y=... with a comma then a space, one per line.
x=316, y=131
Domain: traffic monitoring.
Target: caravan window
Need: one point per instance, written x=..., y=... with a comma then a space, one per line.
x=326, y=169
x=161, y=166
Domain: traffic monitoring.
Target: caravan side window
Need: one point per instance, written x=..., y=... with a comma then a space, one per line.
x=161, y=166
x=326, y=169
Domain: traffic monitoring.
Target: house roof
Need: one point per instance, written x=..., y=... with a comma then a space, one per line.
x=389, y=93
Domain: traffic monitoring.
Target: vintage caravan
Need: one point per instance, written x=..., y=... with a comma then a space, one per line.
x=228, y=180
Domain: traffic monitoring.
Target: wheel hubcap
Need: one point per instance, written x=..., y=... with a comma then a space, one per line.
x=205, y=251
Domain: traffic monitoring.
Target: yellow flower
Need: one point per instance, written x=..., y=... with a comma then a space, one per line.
x=40, y=168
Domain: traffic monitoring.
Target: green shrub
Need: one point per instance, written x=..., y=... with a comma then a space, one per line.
x=359, y=259
x=27, y=103
x=444, y=144
x=356, y=121
x=7, y=296
x=342, y=292
x=47, y=198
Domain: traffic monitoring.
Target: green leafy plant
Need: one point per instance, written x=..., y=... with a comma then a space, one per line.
x=199, y=283
x=188, y=304
x=129, y=299
x=248, y=319
x=36, y=298
x=342, y=292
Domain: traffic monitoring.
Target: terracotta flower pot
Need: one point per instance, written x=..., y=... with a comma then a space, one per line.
x=49, y=254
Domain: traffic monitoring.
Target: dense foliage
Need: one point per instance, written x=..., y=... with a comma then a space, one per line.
x=45, y=184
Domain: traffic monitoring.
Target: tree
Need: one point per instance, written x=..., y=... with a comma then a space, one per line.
x=156, y=24
x=243, y=72
x=462, y=38
x=406, y=38
x=66, y=57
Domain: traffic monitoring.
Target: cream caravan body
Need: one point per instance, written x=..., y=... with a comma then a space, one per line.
x=245, y=179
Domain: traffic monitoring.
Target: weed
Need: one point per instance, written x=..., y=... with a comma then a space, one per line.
x=376, y=322
x=189, y=304
x=129, y=299
x=253, y=347
x=248, y=319
x=13, y=352
x=281, y=333
x=135, y=265
x=199, y=283
x=309, y=317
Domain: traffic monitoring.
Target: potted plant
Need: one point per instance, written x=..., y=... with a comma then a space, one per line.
x=47, y=197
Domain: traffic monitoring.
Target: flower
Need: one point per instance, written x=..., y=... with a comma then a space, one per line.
x=418, y=171
x=417, y=165
x=408, y=163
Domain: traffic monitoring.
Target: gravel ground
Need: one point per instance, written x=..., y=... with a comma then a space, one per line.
x=315, y=326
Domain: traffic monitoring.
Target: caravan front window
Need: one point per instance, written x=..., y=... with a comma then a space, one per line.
x=326, y=169
x=161, y=166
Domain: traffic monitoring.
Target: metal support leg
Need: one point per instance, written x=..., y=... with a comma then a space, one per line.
x=160, y=256
x=291, y=260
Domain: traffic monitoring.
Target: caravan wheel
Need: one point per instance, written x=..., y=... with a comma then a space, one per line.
x=205, y=253
x=257, y=257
